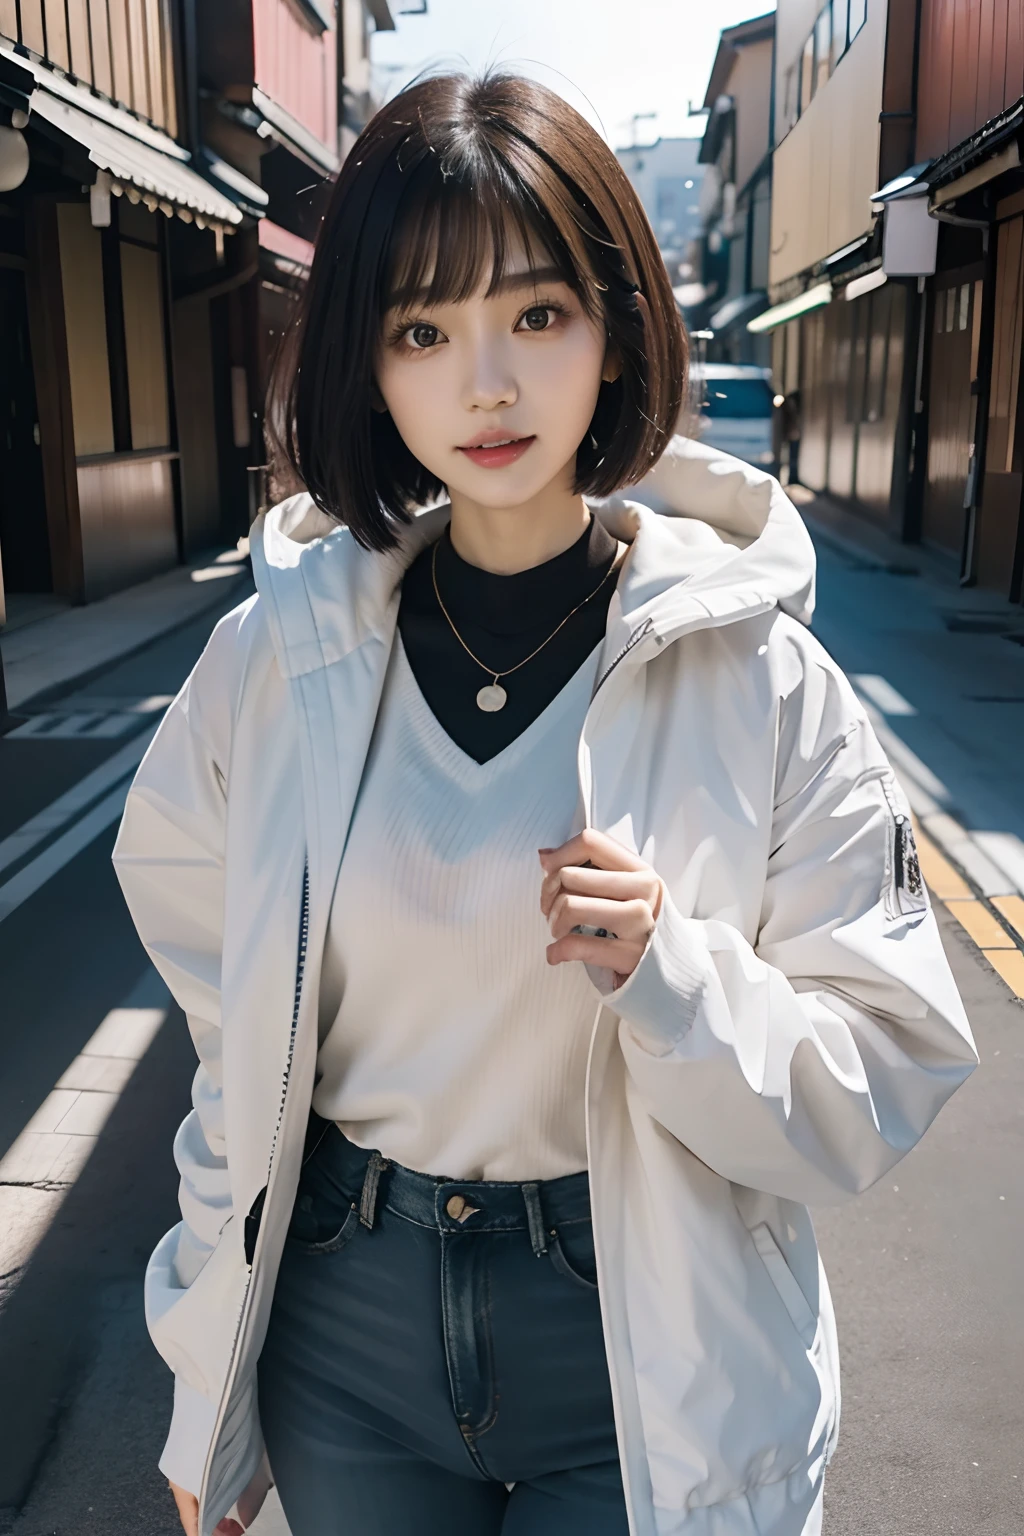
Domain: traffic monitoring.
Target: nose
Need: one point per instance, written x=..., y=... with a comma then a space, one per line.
x=489, y=382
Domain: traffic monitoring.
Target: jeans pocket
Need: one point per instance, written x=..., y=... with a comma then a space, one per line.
x=571, y=1250
x=313, y=1232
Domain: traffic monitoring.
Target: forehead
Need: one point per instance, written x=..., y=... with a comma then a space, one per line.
x=454, y=249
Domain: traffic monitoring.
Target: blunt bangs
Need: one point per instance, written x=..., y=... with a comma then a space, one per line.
x=454, y=227
x=437, y=194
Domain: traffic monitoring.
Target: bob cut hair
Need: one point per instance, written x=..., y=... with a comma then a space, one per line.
x=432, y=197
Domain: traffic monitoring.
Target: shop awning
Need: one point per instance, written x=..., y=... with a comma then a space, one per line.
x=815, y=298
x=282, y=128
x=132, y=152
x=289, y=254
x=909, y=183
x=735, y=311
x=994, y=148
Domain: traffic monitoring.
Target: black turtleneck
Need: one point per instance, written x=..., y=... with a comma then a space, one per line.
x=502, y=619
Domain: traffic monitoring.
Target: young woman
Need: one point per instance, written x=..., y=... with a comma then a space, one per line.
x=544, y=910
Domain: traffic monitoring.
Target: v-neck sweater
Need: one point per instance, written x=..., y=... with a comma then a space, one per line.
x=456, y=1049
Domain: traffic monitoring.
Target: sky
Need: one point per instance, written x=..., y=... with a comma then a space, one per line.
x=609, y=58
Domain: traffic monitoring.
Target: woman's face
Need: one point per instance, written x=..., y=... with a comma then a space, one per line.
x=525, y=364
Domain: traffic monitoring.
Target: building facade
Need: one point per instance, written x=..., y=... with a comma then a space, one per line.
x=736, y=191
x=896, y=267
x=162, y=168
x=970, y=145
x=839, y=325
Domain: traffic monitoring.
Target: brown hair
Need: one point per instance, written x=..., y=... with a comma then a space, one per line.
x=433, y=191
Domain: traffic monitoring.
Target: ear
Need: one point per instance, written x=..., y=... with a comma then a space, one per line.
x=612, y=366
x=377, y=400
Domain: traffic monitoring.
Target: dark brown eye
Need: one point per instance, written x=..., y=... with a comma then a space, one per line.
x=537, y=319
x=424, y=335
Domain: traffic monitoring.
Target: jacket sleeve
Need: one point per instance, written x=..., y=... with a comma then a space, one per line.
x=808, y=1062
x=169, y=859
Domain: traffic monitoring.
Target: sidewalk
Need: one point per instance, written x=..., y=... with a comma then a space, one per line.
x=940, y=670
x=41, y=657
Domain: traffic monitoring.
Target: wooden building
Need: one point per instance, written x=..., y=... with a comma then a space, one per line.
x=900, y=129
x=162, y=169
x=286, y=88
x=839, y=323
x=970, y=134
x=91, y=481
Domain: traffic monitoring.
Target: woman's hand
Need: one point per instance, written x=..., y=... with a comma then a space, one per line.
x=592, y=881
x=188, y=1513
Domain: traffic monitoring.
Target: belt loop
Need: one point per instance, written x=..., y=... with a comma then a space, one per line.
x=535, y=1217
x=368, y=1199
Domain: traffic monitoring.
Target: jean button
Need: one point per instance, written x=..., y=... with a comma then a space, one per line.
x=455, y=1206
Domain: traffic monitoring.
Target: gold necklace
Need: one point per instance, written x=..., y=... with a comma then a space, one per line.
x=492, y=696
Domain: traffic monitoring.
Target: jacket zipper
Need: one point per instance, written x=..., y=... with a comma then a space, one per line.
x=906, y=890
x=253, y=1220
x=634, y=639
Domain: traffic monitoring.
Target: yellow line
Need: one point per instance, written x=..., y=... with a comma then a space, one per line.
x=1010, y=965
x=1012, y=908
x=940, y=876
x=991, y=938
x=986, y=931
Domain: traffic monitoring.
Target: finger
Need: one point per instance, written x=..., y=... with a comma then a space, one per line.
x=620, y=955
x=592, y=847
x=229, y=1528
x=608, y=884
x=631, y=920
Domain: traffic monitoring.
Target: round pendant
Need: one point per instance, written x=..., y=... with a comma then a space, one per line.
x=491, y=698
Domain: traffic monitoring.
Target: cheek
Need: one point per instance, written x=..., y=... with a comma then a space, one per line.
x=415, y=395
x=565, y=382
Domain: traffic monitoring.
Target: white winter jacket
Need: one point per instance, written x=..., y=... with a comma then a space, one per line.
x=791, y=1031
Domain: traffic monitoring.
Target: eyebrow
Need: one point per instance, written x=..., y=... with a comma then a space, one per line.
x=510, y=282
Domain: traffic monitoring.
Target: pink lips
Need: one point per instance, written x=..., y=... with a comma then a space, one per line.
x=497, y=455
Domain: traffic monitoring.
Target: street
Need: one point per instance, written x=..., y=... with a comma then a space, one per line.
x=925, y=1268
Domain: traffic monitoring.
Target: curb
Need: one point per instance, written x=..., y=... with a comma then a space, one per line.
x=993, y=919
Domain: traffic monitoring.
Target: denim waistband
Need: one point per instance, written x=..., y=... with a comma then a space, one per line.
x=450, y=1205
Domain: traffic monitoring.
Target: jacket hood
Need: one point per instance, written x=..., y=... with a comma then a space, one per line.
x=708, y=535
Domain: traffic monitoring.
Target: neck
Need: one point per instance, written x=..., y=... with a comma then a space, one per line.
x=506, y=540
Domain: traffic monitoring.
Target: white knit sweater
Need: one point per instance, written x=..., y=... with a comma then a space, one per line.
x=447, y=1041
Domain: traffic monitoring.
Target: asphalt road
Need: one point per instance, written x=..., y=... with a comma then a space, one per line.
x=926, y=1269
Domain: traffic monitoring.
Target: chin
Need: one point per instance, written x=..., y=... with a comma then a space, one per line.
x=498, y=488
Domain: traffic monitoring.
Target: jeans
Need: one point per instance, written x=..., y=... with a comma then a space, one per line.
x=432, y=1341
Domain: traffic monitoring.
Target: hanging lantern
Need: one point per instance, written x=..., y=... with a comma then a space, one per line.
x=14, y=159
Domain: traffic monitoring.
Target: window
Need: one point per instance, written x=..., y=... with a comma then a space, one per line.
x=823, y=47
x=837, y=25
x=114, y=318
x=85, y=321
x=807, y=74
x=858, y=16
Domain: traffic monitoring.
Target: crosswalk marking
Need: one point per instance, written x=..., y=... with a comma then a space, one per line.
x=75, y=800
x=60, y=727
